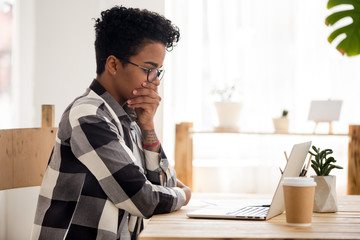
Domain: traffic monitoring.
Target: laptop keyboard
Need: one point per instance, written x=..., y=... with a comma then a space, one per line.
x=250, y=212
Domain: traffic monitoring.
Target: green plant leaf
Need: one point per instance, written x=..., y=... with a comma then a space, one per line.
x=331, y=168
x=316, y=170
x=285, y=113
x=326, y=173
x=328, y=151
x=315, y=149
x=335, y=17
x=312, y=153
x=337, y=166
x=333, y=3
x=322, y=153
x=329, y=161
x=323, y=163
x=315, y=163
x=350, y=45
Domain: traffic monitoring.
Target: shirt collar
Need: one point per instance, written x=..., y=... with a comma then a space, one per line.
x=121, y=112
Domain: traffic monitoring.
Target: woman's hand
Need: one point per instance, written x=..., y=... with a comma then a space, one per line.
x=186, y=189
x=146, y=100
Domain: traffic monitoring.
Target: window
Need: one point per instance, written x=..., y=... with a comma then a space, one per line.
x=6, y=34
x=277, y=50
x=279, y=53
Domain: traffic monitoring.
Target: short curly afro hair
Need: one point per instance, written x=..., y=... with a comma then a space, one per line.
x=122, y=32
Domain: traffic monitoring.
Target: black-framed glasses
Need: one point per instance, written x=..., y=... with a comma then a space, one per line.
x=152, y=73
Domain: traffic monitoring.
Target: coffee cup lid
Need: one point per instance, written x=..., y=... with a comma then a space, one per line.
x=298, y=181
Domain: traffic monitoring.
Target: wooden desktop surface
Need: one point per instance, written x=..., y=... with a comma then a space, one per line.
x=345, y=224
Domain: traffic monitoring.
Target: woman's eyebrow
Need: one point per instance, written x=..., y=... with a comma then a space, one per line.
x=154, y=64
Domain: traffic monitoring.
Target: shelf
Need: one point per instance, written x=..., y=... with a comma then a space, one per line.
x=267, y=133
x=184, y=150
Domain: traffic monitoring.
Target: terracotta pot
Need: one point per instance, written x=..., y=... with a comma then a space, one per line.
x=325, y=199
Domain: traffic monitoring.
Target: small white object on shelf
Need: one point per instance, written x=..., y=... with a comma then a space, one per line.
x=325, y=111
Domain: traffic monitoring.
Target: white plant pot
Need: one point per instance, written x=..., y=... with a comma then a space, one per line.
x=281, y=125
x=325, y=199
x=228, y=114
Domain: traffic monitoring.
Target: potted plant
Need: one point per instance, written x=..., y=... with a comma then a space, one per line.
x=281, y=124
x=325, y=191
x=228, y=110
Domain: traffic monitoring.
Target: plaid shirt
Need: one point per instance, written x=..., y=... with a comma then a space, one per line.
x=100, y=182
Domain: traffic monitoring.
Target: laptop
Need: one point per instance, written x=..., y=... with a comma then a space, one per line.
x=258, y=211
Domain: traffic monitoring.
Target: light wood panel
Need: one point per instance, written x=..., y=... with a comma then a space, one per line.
x=24, y=154
x=6, y=159
x=47, y=115
x=354, y=160
x=184, y=153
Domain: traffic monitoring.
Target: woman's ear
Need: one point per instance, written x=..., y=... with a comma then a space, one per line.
x=111, y=65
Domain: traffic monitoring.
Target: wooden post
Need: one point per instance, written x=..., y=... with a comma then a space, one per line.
x=331, y=128
x=354, y=160
x=316, y=124
x=6, y=159
x=47, y=115
x=184, y=153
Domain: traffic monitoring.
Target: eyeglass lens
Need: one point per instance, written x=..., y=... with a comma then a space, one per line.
x=154, y=73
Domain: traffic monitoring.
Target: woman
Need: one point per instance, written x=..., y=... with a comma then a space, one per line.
x=108, y=170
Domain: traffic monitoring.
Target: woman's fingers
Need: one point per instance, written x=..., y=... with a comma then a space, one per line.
x=146, y=92
x=135, y=102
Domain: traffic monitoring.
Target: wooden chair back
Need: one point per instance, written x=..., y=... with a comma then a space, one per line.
x=24, y=153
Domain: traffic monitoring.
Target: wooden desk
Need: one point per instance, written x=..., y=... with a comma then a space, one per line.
x=345, y=224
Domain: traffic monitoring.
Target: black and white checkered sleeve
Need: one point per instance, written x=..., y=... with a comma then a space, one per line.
x=156, y=163
x=96, y=142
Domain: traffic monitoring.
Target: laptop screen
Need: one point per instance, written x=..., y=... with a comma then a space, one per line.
x=292, y=169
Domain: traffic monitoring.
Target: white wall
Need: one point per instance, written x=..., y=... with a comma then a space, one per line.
x=64, y=63
x=20, y=207
x=23, y=63
x=54, y=62
x=54, y=52
x=2, y=216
